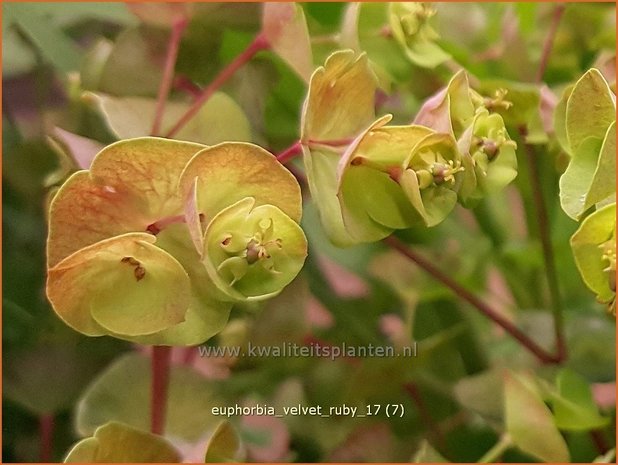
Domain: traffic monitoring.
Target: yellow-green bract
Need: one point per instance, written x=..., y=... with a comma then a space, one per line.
x=155, y=242
x=369, y=179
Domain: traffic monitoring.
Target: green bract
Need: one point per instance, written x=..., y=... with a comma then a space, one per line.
x=339, y=106
x=586, y=125
x=371, y=179
x=126, y=246
x=594, y=248
x=398, y=176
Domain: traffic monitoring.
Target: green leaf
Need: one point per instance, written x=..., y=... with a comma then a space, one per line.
x=573, y=404
x=529, y=422
x=55, y=46
x=596, y=230
x=427, y=454
x=483, y=394
x=609, y=457
x=49, y=377
x=219, y=120
x=604, y=181
x=117, y=442
x=590, y=110
x=122, y=393
x=577, y=179
x=223, y=445
x=560, y=120
x=130, y=66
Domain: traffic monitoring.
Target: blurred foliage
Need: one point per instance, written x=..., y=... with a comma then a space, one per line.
x=470, y=386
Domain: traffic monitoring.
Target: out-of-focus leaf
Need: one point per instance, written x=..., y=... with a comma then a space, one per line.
x=17, y=56
x=49, y=377
x=117, y=442
x=122, y=393
x=219, y=120
x=529, y=422
x=573, y=404
x=427, y=454
x=131, y=66
x=482, y=393
x=223, y=445
x=80, y=149
x=162, y=14
x=285, y=28
x=55, y=45
x=608, y=457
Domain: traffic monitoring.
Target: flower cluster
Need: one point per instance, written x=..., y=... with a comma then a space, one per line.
x=396, y=177
x=159, y=238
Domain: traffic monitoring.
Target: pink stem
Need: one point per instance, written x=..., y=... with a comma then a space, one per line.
x=259, y=43
x=289, y=153
x=46, y=428
x=160, y=381
x=168, y=72
x=524, y=340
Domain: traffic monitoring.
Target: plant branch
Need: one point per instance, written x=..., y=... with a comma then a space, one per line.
x=160, y=381
x=259, y=43
x=424, y=413
x=473, y=300
x=178, y=28
x=289, y=153
x=46, y=429
x=548, y=251
x=549, y=40
x=495, y=453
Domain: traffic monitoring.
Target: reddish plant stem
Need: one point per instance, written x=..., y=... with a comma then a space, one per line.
x=46, y=429
x=548, y=252
x=188, y=356
x=289, y=153
x=598, y=438
x=178, y=28
x=160, y=381
x=549, y=40
x=423, y=411
x=185, y=84
x=473, y=300
x=259, y=43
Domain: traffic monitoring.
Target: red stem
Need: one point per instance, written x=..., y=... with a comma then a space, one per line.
x=46, y=428
x=188, y=356
x=472, y=299
x=549, y=41
x=542, y=218
x=415, y=394
x=160, y=381
x=289, y=153
x=168, y=72
x=259, y=43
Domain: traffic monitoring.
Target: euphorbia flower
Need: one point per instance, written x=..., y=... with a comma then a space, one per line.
x=394, y=177
x=462, y=112
x=121, y=252
x=493, y=154
x=249, y=238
